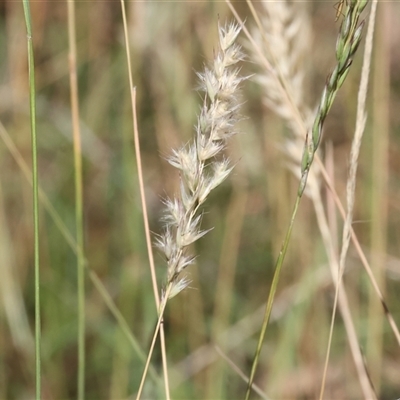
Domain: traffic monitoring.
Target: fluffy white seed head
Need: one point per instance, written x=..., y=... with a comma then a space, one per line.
x=200, y=169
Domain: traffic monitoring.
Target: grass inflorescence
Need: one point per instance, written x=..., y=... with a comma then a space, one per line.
x=223, y=242
x=199, y=163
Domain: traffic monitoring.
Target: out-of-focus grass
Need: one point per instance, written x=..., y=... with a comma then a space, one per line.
x=169, y=42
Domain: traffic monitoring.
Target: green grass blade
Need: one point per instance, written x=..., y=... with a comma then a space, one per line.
x=35, y=192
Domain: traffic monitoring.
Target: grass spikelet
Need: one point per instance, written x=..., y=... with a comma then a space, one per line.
x=201, y=169
x=283, y=35
x=347, y=44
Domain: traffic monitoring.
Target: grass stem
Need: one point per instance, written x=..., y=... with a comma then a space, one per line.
x=78, y=197
x=132, y=90
x=351, y=184
x=348, y=41
x=271, y=296
x=35, y=193
x=155, y=335
x=380, y=188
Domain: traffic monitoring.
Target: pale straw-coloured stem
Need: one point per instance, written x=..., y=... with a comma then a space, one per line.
x=132, y=90
x=153, y=342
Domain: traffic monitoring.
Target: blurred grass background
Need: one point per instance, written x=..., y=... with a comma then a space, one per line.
x=249, y=213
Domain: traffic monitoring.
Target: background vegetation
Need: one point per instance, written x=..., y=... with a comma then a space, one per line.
x=249, y=212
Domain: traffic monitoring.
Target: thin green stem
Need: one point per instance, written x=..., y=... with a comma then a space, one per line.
x=35, y=191
x=78, y=198
x=271, y=296
x=326, y=178
x=349, y=38
x=368, y=390
x=60, y=224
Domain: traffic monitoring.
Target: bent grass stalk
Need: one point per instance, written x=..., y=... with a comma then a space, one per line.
x=200, y=169
x=346, y=46
x=35, y=193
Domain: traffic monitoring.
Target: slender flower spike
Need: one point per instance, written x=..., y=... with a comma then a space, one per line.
x=346, y=46
x=200, y=163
